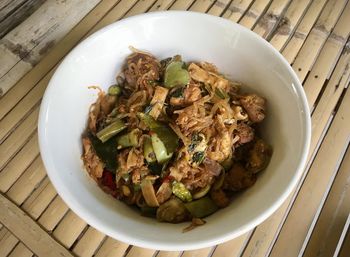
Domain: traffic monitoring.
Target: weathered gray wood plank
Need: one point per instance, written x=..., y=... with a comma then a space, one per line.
x=25, y=45
x=16, y=12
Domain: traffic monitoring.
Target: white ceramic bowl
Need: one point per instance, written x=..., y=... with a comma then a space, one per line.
x=238, y=53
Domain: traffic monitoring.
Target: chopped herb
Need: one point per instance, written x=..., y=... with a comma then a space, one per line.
x=107, y=152
x=198, y=157
x=196, y=138
x=220, y=93
x=155, y=168
x=137, y=187
x=178, y=92
x=148, y=109
x=126, y=177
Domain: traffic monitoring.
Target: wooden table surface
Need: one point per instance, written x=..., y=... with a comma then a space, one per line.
x=313, y=35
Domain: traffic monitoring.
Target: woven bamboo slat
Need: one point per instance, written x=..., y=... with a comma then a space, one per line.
x=20, y=251
x=328, y=229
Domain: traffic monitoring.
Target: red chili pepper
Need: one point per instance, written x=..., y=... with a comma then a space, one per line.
x=108, y=179
x=168, y=179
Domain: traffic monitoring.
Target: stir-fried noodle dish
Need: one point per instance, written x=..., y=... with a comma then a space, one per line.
x=176, y=140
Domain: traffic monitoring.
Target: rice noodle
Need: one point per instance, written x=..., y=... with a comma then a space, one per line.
x=178, y=132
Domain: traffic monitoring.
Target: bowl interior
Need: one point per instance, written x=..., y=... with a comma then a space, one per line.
x=240, y=55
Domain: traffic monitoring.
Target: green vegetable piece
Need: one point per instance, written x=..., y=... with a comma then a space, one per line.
x=227, y=164
x=181, y=191
x=148, y=152
x=148, y=109
x=148, y=211
x=198, y=157
x=155, y=168
x=168, y=138
x=107, y=152
x=164, y=132
x=126, y=177
x=114, y=90
x=201, y=207
x=178, y=92
x=220, y=93
x=149, y=121
x=176, y=75
x=129, y=139
x=159, y=148
x=173, y=211
x=136, y=187
x=201, y=193
x=111, y=130
x=219, y=181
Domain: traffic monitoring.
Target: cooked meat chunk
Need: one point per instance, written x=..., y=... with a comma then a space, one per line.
x=92, y=163
x=238, y=178
x=245, y=133
x=241, y=153
x=254, y=106
x=212, y=167
x=220, y=198
x=173, y=211
x=141, y=66
x=259, y=156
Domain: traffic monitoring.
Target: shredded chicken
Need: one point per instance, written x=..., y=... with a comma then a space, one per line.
x=220, y=145
x=191, y=177
x=191, y=94
x=193, y=118
x=92, y=163
x=134, y=160
x=216, y=81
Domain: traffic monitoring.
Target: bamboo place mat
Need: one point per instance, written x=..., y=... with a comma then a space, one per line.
x=312, y=35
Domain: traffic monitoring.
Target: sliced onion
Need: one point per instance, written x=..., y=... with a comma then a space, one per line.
x=149, y=193
x=202, y=192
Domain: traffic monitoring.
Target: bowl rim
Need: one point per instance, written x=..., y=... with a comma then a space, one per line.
x=173, y=246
